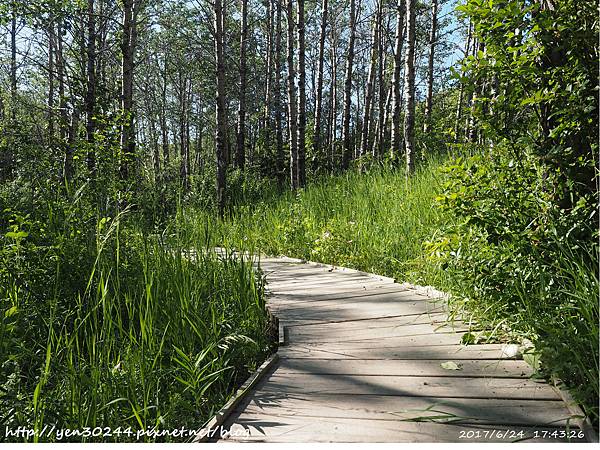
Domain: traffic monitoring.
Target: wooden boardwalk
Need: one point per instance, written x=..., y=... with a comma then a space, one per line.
x=369, y=360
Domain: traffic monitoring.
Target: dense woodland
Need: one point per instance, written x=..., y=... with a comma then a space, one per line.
x=452, y=143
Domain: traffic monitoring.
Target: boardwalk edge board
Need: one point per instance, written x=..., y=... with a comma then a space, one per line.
x=582, y=421
x=221, y=416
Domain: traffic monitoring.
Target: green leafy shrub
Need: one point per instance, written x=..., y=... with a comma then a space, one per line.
x=514, y=258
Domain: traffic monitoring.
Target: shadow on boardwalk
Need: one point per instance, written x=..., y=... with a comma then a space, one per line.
x=368, y=360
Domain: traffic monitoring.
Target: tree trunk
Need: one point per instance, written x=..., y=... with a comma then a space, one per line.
x=432, y=39
x=319, y=90
x=347, y=150
x=409, y=88
x=396, y=144
x=240, y=154
x=387, y=114
x=198, y=160
x=163, y=118
x=51, y=56
x=70, y=147
x=365, y=141
x=301, y=97
x=333, y=102
x=292, y=115
x=90, y=94
x=8, y=158
x=381, y=97
x=266, y=119
x=221, y=127
x=155, y=150
x=280, y=160
x=183, y=132
x=68, y=169
x=13, y=64
x=128, y=43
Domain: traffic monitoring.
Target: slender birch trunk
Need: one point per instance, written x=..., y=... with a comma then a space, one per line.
x=221, y=127
x=396, y=143
x=292, y=113
x=347, y=139
x=301, y=96
x=409, y=87
x=432, y=41
x=240, y=154
x=319, y=89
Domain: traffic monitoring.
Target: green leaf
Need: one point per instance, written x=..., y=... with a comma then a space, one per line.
x=17, y=235
x=533, y=359
x=10, y=312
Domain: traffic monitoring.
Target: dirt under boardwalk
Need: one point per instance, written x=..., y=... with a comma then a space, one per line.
x=368, y=360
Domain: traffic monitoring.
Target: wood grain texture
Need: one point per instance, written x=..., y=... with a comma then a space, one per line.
x=369, y=360
x=275, y=428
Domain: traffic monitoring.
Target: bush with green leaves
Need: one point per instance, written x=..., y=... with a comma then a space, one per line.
x=523, y=250
x=516, y=262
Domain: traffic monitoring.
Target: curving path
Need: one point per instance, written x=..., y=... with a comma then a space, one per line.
x=369, y=360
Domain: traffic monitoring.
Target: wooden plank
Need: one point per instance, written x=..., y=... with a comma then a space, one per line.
x=314, y=275
x=369, y=298
x=434, y=320
x=324, y=283
x=353, y=311
x=424, y=339
x=276, y=269
x=441, y=352
x=439, y=387
x=277, y=275
x=433, y=317
x=331, y=285
x=335, y=333
x=410, y=367
x=438, y=410
x=336, y=294
x=273, y=428
x=342, y=294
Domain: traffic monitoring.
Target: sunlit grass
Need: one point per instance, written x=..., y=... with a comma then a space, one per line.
x=376, y=222
x=152, y=339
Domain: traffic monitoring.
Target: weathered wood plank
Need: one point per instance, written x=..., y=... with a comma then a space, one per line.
x=439, y=387
x=435, y=321
x=332, y=333
x=441, y=352
x=336, y=294
x=438, y=410
x=354, y=311
x=325, y=286
x=424, y=339
x=410, y=367
x=273, y=428
x=371, y=299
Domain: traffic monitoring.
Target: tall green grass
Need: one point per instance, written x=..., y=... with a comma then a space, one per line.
x=159, y=334
x=375, y=221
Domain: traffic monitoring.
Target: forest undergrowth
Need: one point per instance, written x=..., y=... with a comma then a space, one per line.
x=116, y=331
